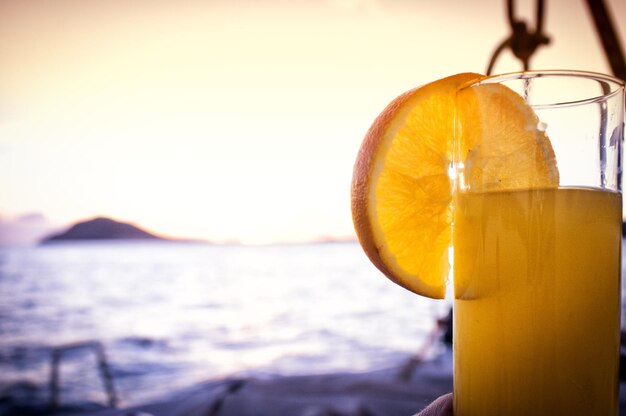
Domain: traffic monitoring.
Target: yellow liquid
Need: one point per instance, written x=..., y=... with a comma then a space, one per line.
x=537, y=303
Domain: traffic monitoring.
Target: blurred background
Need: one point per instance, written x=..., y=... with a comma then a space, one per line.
x=229, y=129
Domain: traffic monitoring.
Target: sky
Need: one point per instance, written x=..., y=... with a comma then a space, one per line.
x=229, y=120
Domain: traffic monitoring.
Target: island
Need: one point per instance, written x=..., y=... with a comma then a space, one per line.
x=102, y=228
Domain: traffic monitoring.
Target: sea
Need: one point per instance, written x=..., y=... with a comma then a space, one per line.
x=170, y=315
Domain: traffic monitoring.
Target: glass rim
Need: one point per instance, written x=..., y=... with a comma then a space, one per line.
x=616, y=85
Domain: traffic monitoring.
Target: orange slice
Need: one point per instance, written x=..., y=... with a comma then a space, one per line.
x=401, y=192
x=499, y=144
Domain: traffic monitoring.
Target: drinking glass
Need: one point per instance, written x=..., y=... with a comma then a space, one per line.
x=537, y=315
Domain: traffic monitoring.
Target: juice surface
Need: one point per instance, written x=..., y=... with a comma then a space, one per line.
x=537, y=302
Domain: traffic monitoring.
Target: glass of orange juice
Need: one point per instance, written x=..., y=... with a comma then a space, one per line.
x=536, y=266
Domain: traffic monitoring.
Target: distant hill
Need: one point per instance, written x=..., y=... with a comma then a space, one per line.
x=102, y=229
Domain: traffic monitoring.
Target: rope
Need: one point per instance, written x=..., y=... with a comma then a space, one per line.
x=608, y=36
x=522, y=42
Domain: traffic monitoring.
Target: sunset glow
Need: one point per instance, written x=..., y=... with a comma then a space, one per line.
x=229, y=121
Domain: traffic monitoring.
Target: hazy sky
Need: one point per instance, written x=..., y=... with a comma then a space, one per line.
x=229, y=119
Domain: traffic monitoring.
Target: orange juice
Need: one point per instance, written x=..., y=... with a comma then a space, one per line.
x=537, y=302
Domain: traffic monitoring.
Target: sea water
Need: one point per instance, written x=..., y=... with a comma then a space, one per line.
x=173, y=314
